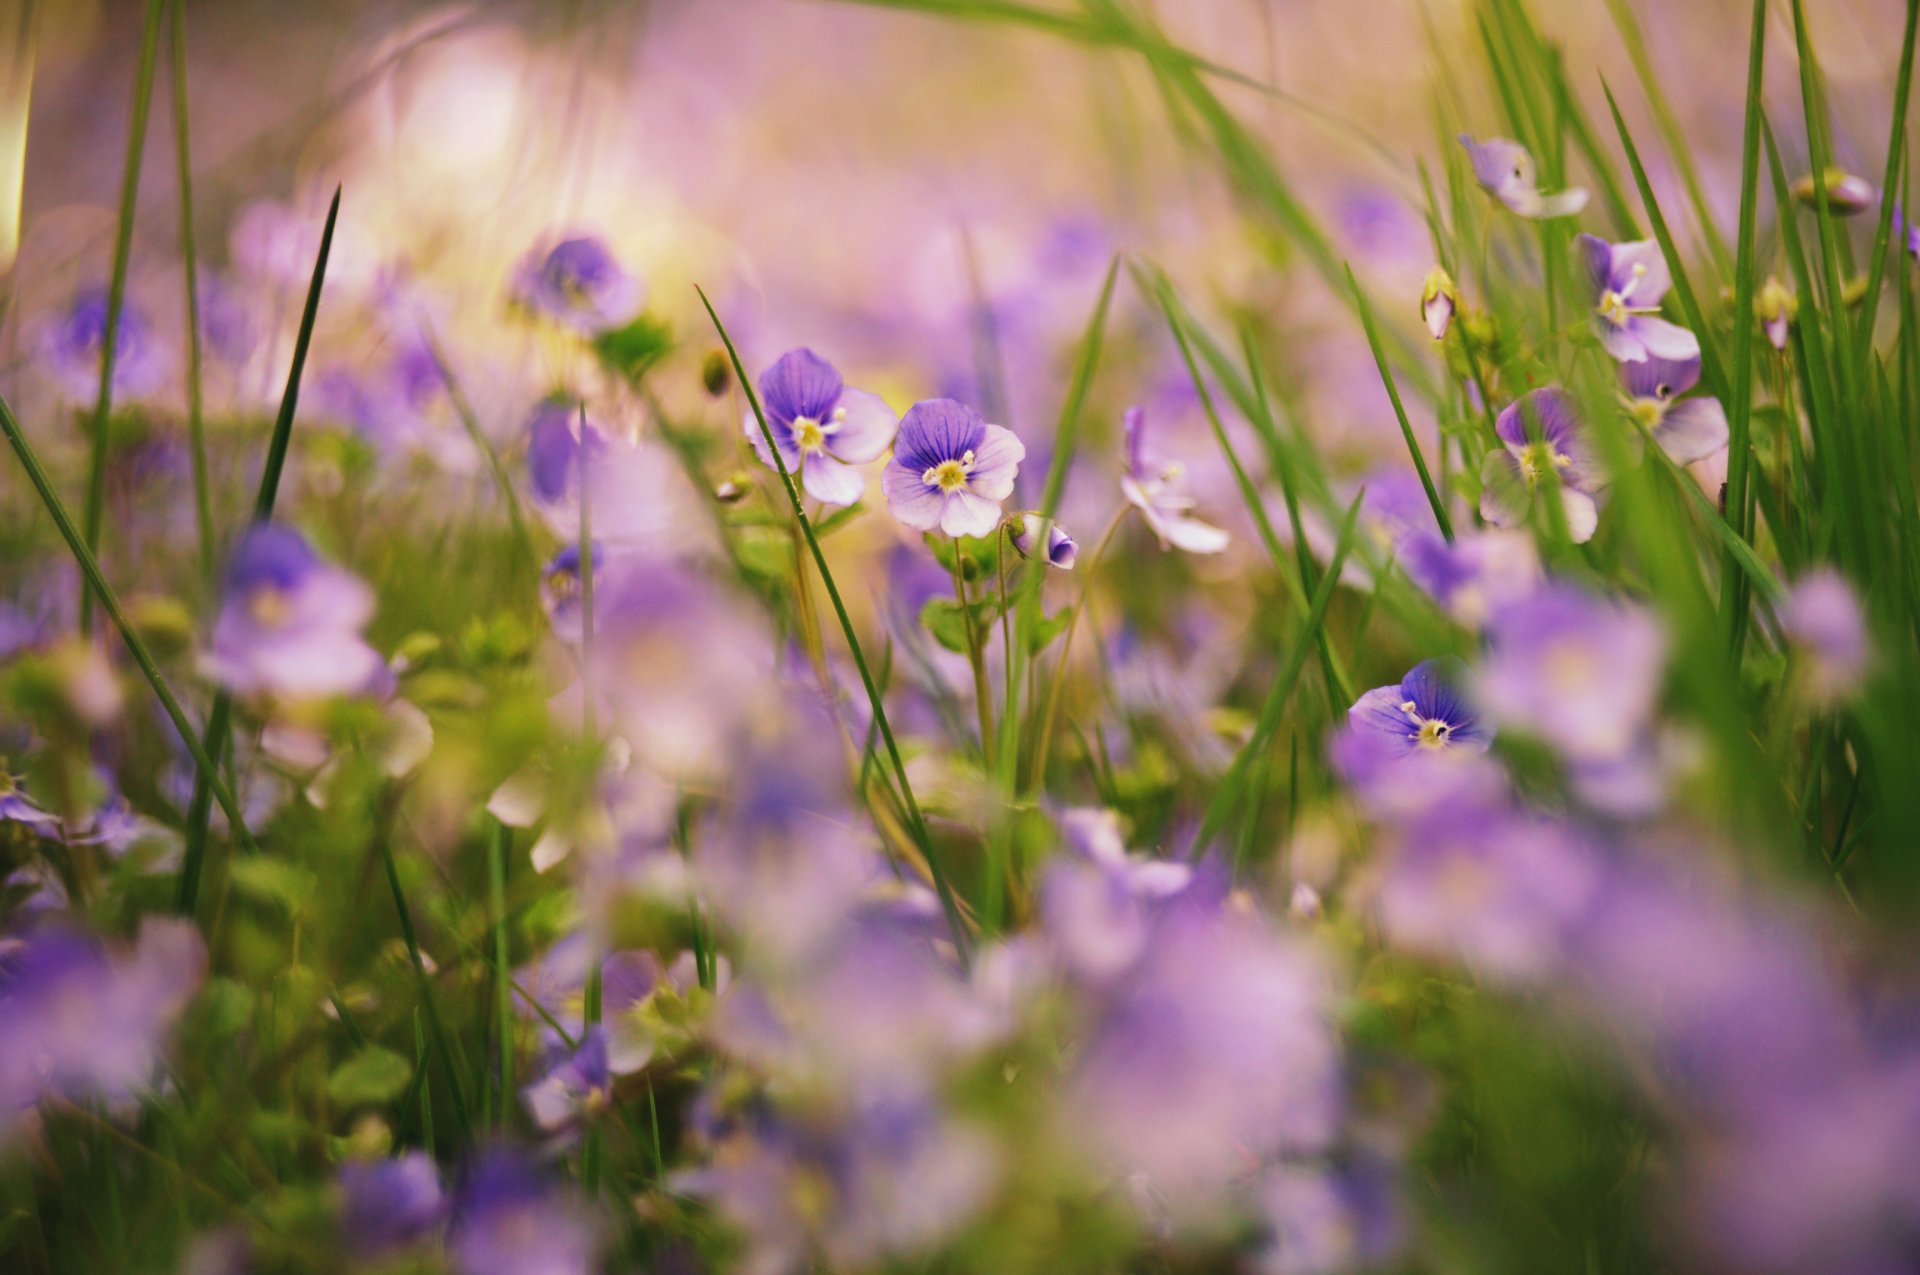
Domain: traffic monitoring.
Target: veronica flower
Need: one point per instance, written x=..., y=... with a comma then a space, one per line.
x=950, y=469
x=578, y=284
x=822, y=428
x=1542, y=435
x=1505, y=170
x=575, y=1090
x=1823, y=618
x=1098, y=905
x=1686, y=430
x=1025, y=534
x=1157, y=488
x=387, y=1204
x=1629, y=280
x=1425, y=710
x=72, y=343
x=291, y=622
x=1473, y=574
x=637, y=498
x=1581, y=672
x=17, y=807
x=560, y=589
x=508, y=1220
x=1438, y=301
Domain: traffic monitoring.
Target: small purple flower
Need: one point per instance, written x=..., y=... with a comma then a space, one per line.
x=291, y=622
x=575, y=1090
x=1505, y=170
x=71, y=346
x=1629, y=280
x=508, y=1220
x=1823, y=618
x=560, y=589
x=1061, y=550
x=17, y=807
x=1424, y=711
x=822, y=428
x=388, y=1204
x=1157, y=488
x=1686, y=430
x=578, y=284
x=1475, y=573
x=1581, y=672
x=1438, y=301
x=950, y=469
x=1543, y=435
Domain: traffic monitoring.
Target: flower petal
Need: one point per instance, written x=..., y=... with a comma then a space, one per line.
x=1692, y=430
x=968, y=513
x=1504, y=499
x=830, y=482
x=865, y=431
x=914, y=503
x=1663, y=340
x=996, y=460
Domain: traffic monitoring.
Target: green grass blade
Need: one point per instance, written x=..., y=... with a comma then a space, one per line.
x=97, y=583
x=436, y=1031
x=1740, y=397
x=95, y=511
x=190, y=271
x=1896, y=146
x=916, y=821
x=1399, y=408
x=220, y=718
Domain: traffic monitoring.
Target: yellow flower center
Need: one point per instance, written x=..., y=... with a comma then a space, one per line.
x=810, y=435
x=950, y=475
x=268, y=606
x=1433, y=733
x=1537, y=458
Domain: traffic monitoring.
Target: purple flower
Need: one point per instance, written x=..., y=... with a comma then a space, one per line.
x=1425, y=710
x=1629, y=280
x=637, y=497
x=1823, y=618
x=81, y=1021
x=1503, y=892
x=578, y=284
x=950, y=469
x=575, y=1090
x=1581, y=672
x=1214, y=1054
x=71, y=346
x=1543, y=436
x=1157, y=488
x=822, y=428
x=1505, y=170
x=1846, y=195
x=1061, y=550
x=509, y=1221
x=1475, y=573
x=1438, y=301
x=17, y=807
x=1098, y=906
x=1688, y=430
x=560, y=589
x=387, y=1204
x=290, y=624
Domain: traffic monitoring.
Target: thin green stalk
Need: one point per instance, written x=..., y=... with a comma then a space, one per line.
x=1896, y=146
x=189, y=261
x=219, y=719
x=1740, y=400
x=917, y=822
x=435, y=1031
x=1228, y=792
x=498, y=843
x=1399, y=408
x=484, y=445
x=117, y=288
x=97, y=583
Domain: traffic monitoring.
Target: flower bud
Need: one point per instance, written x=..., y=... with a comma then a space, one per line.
x=1774, y=307
x=1846, y=194
x=1438, y=300
x=1024, y=530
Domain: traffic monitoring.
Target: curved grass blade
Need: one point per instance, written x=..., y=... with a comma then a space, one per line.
x=917, y=822
x=95, y=510
x=1399, y=408
x=97, y=582
x=219, y=719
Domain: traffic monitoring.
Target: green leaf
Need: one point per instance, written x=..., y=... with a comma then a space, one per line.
x=370, y=1078
x=838, y=519
x=274, y=881
x=1047, y=628
x=944, y=618
x=631, y=351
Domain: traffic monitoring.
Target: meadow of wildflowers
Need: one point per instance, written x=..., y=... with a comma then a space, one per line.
x=976, y=636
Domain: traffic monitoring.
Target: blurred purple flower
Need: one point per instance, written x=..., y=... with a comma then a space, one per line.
x=1823, y=618
x=822, y=428
x=387, y=1204
x=1157, y=488
x=1098, y=906
x=290, y=623
x=72, y=343
x=508, y=1220
x=560, y=589
x=1629, y=280
x=578, y=284
x=83, y=1022
x=1475, y=574
x=1543, y=435
x=575, y=1089
x=1505, y=170
x=1425, y=710
x=1686, y=430
x=1579, y=671
x=950, y=469
x=17, y=807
